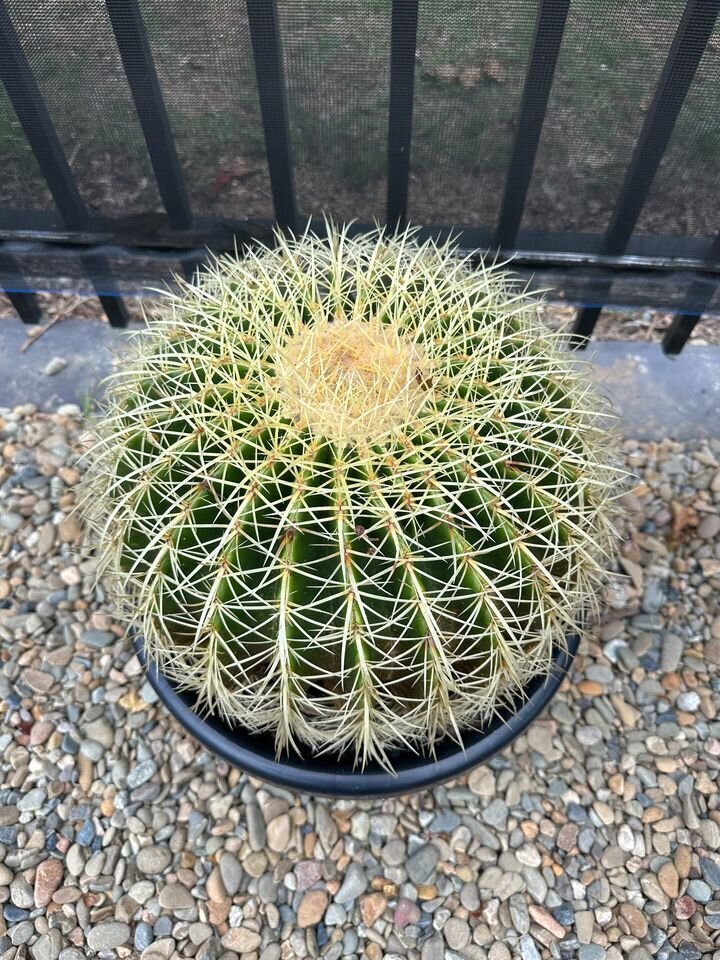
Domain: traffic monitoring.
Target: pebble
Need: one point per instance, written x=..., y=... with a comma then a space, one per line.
x=457, y=933
x=312, y=908
x=549, y=922
x=699, y=891
x=231, y=873
x=372, y=907
x=684, y=907
x=672, y=650
x=241, y=940
x=709, y=527
x=528, y=949
x=48, y=877
x=519, y=913
x=668, y=879
x=141, y=773
x=499, y=951
x=711, y=872
x=108, y=935
x=153, y=859
x=591, y=951
x=406, y=912
x=255, y=825
x=636, y=921
x=584, y=925
x=354, y=884
x=54, y=366
x=278, y=833
x=433, y=949
x=689, y=701
x=421, y=865
x=175, y=897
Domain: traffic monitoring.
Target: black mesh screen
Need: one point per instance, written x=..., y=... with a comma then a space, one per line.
x=337, y=62
x=471, y=65
x=207, y=77
x=75, y=63
x=21, y=183
x=169, y=126
x=684, y=196
x=609, y=64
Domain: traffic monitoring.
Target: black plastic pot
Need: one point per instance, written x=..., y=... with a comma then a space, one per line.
x=335, y=776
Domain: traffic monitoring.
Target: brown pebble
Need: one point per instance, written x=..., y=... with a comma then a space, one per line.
x=241, y=939
x=218, y=910
x=38, y=681
x=635, y=920
x=668, y=879
x=48, y=875
x=541, y=916
x=426, y=891
x=372, y=907
x=312, y=908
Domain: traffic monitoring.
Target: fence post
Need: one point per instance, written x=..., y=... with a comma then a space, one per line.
x=270, y=75
x=33, y=115
x=403, y=43
x=132, y=42
x=691, y=38
x=549, y=29
x=25, y=303
x=684, y=322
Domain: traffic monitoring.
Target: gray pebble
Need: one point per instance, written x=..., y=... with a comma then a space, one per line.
x=10, y=521
x=231, y=872
x=672, y=649
x=21, y=932
x=495, y=814
x=354, y=884
x=143, y=936
x=433, y=949
x=55, y=366
x=108, y=935
x=98, y=638
x=711, y=872
x=699, y=890
x=421, y=865
x=591, y=951
x=153, y=859
x=141, y=773
x=255, y=826
x=527, y=947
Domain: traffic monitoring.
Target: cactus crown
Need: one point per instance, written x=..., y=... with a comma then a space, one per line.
x=352, y=491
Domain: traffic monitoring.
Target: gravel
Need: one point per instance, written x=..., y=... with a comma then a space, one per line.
x=595, y=836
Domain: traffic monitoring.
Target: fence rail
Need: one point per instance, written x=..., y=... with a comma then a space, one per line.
x=593, y=269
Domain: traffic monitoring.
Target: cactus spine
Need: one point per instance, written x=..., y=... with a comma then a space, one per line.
x=352, y=491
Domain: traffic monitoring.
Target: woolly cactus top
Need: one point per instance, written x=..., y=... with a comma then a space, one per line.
x=352, y=492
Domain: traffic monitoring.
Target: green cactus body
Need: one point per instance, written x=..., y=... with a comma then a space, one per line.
x=352, y=492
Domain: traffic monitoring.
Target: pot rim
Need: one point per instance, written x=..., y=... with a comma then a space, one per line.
x=332, y=776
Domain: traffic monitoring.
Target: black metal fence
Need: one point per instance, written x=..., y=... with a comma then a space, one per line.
x=581, y=138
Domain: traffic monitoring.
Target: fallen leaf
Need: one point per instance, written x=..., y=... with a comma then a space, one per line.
x=446, y=72
x=470, y=76
x=683, y=517
x=495, y=69
x=238, y=171
x=132, y=702
x=634, y=571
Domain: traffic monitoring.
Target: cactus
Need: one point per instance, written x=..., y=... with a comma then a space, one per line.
x=352, y=492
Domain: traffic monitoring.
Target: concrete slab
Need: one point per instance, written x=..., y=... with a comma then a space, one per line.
x=656, y=396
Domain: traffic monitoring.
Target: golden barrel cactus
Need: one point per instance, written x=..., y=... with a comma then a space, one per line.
x=352, y=491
